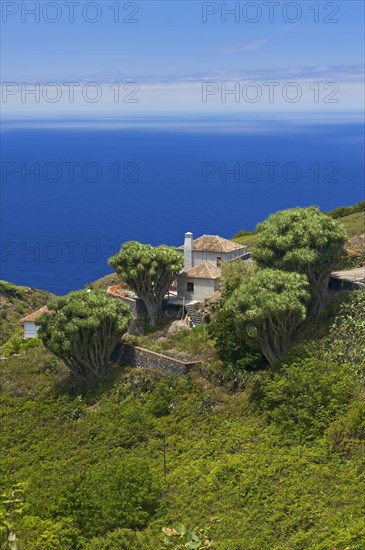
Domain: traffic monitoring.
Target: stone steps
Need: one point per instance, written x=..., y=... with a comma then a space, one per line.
x=194, y=315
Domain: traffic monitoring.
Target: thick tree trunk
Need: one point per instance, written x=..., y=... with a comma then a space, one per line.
x=153, y=309
x=319, y=292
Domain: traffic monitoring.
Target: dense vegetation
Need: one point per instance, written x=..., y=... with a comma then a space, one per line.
x=229, y=457
x=343, y=211
x=279, y=464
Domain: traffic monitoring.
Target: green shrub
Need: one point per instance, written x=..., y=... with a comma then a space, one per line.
x=13, y=345
x=8, y=289
x=12, y=508
x=134, y=425
x=124, y=539
x=162, y=399
x=346, y=342
x=115, y=493
x=343, y=211
x=39, y=534
x=348, y=432
x=235, y=353
x=307, y=395
x=31, y=343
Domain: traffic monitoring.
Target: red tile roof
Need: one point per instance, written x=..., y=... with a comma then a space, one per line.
x=205, y=270
x=214, y=243
x=33, y=316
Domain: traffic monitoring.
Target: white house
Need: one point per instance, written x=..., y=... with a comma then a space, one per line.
x=210, y=247
x=198, y=282
x=201, y=275
x=30, y=324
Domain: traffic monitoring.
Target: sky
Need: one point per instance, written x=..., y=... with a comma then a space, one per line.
x=155, y=57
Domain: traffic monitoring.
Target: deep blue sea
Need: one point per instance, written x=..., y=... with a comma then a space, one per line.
x=72, y=195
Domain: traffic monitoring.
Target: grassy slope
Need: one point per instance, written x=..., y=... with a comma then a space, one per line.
x=355, y=227
x=104, y=282
x=247, y=240
x=182, y=344
x=267, y=468
x=354, y=224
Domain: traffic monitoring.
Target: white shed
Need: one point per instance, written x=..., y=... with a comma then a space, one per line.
x=30, y=323
x=198, y=282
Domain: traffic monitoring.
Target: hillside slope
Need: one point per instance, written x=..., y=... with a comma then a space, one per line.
x=279, y=465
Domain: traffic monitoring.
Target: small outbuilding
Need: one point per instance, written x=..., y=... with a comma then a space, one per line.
x=199, y=282
x=30, y=323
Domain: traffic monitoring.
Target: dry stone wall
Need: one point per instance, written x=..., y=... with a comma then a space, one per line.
x=144, y=358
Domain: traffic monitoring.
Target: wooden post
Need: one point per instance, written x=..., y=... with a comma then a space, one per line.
x=164, y=455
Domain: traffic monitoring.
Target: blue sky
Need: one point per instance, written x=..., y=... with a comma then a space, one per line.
x=169, y=52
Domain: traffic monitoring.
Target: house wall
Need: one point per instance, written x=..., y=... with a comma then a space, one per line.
x=203, y=288
x=199, y=257
x=30, y=330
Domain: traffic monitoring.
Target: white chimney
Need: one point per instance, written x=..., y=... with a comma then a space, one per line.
x=188, y=251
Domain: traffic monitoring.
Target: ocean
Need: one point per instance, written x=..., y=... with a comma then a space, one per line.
x=73, y=193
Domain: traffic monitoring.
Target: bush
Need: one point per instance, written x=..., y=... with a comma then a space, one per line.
x=343, y=211
x=115, y=493
x=39, y=534
x=345, y=341
x=31, y=343
x=9, y=290
x=12, y=346
x=348, y=433
x=236, y=355
x=124, y=539
x=306, y=396
x=243, y=233
x=162, y=399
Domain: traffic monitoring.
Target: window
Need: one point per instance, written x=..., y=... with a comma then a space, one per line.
x=190, y=287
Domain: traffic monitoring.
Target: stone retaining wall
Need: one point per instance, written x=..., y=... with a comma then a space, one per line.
x=144, y=358
x=336, y=283
x=136, y=305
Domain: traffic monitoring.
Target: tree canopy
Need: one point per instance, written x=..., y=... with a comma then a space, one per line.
x=267, y=308
x=149, y=271
x=233, y=273
x=83, y=329
x=302, y=240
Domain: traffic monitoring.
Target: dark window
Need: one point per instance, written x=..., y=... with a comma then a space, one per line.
x=190, y=287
